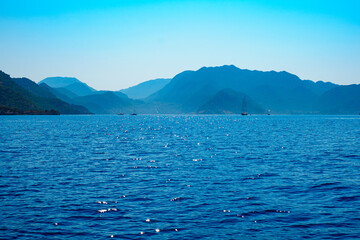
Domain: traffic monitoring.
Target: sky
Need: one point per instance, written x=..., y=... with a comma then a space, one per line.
x=115, y=44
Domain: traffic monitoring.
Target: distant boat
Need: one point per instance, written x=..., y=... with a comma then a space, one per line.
x=134, y=112
x=120, y=114
x=244, y=111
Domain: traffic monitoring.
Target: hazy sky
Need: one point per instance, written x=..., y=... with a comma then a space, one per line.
x=113, y=44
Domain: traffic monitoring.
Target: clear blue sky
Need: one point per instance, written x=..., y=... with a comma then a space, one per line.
x=113, y=44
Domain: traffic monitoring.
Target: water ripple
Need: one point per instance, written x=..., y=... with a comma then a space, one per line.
x=179, y=177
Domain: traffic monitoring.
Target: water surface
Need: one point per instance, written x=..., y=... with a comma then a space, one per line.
x=179, y=177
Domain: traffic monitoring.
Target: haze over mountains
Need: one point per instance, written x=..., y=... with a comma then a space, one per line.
x=209, y=90
x=145, y=89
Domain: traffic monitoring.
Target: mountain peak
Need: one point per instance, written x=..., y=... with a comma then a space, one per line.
x=70, y=83
x=225, y=67
x=4, y=75
x=58, y=82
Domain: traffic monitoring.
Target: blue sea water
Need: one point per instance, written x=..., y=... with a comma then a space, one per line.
x=179, y=177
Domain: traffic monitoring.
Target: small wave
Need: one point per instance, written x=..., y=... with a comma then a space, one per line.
x=348, y=199
x=263, y=212
x=260, y=176
x=353, y=156
x=177, y=199
x=321, y=225
x=326, y=185
x=107, y=210
x=252, y=198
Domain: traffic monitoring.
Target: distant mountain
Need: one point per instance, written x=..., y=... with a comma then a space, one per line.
x=99, y=102
x=71, y=84
x=280, y=92
x=209, y=90
x=228, y=101
x=27, y=96
x=32, y=87
x=319, y=87
x=61, y=93
x=145, y=89
x=107, y=102
x=341, y=100
x=46, y=99
x=13, y=96
x=80, y=89
x=59, y=82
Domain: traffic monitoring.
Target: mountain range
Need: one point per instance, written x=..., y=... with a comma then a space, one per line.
x=71, y=84
x=279, y=92
x=209, y=90
x=19, y=95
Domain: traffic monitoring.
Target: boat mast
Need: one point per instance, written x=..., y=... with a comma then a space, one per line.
x=244, y=110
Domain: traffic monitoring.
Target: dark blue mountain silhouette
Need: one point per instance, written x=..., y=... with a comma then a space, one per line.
x=280, y=92
x=26, y=96
x=209, y=90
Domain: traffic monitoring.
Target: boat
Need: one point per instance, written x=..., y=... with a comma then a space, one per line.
x=133, y=112
x=244, y=111
x=120, y=114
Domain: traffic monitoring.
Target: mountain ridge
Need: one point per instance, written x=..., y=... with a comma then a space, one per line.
x=29, y=98
x=280, y=92
x=70, y=83
x=145, y=89
x=212, y=90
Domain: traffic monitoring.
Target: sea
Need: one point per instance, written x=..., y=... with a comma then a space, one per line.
x=180, y=177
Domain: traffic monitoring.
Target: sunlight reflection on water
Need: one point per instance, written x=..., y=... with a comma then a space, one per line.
x=180, y=177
